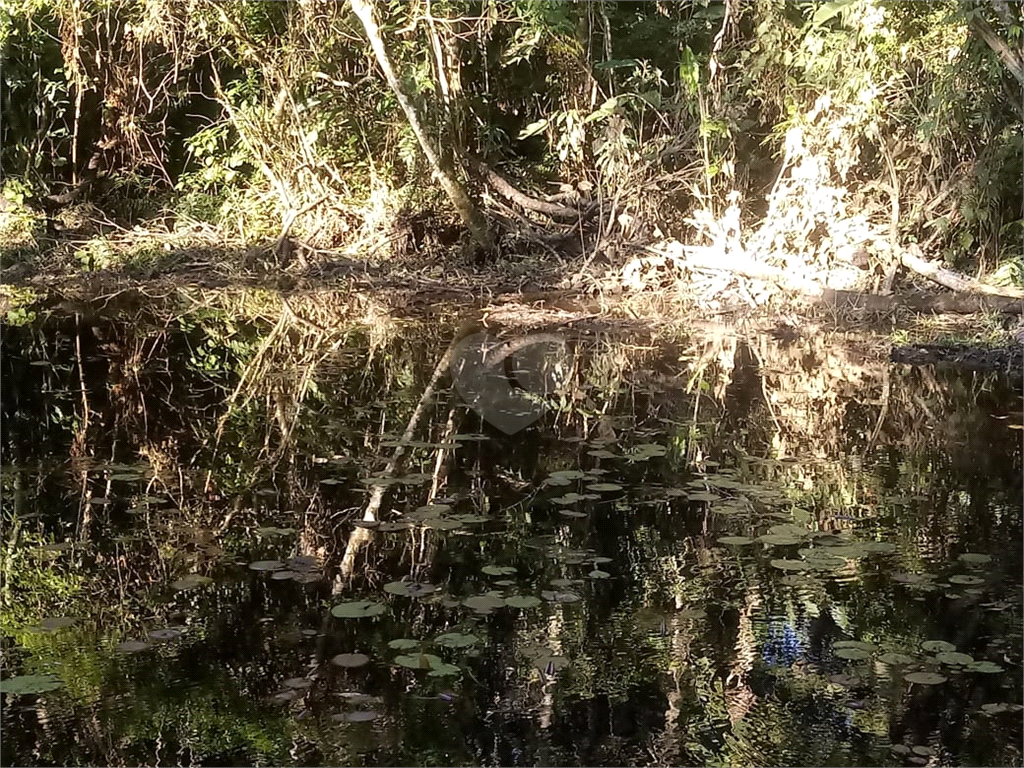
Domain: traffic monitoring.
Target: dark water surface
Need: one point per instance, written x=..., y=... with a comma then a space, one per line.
x=707, y=551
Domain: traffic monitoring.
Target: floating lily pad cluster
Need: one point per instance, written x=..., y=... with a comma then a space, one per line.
x=819, y=551
x=161, y=635
x=305, y=569
x=931, y=669
x=438, y=517
x=544, y=658
x=416, y=658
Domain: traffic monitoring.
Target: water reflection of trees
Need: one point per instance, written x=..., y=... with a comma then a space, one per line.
x=814, y=424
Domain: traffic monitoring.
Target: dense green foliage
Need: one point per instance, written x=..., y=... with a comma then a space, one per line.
x=673, y=110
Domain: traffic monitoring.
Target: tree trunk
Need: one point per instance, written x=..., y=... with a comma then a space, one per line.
x=467, y=209
x=1008, y=55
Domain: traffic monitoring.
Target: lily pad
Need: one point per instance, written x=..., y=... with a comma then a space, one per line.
x=937, y=646
x=468, y=518
x=441, y=524
x=456, y=640
x=350, y=660
x=444, y=670
x=974, y=558
x=498, y=570
x=484, y=603
x=191, y=581
x=860, y=644
x=953, y=658
x=409, y=588
x=599, y=574
x=165, y=634
x=394, y=525
x=925, y=678
x=432, y=510
x=266, y=565
x=358, y=609
x=569, y=498
x=23, y=684
x=418, y=661
x=985, y=667
x=561, y=597
x=522, y=601
x=131, y=646
x=779, y=539
x=966, y=579
x=604, y=487
x=403, y=644
x=825, y=562
x=999, y=707
x=569, y=474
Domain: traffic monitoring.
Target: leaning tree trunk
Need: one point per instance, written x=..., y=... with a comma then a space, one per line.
x=471, y=214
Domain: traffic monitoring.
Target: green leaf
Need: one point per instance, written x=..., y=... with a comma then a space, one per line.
x=533, y=129
x=829, y=11
x=616, y=64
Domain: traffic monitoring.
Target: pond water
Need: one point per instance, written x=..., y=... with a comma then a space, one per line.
x=712, y=550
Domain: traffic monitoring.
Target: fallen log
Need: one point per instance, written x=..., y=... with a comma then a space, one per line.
x=913, y=259
x=506, y=190
x=1009, y=360
x=947, y=303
